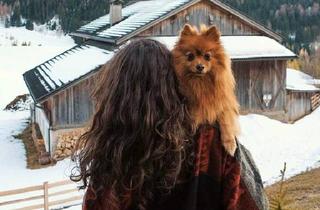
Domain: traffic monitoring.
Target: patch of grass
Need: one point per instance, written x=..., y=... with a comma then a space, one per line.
x=31, y=151
x=302, y=191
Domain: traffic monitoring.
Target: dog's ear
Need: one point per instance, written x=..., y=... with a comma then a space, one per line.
x=213, y=33
x=187, y=30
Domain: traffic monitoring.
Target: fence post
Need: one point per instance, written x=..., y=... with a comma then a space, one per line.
x=45, y=196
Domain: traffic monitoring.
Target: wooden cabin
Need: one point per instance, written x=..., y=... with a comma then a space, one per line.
x=60, y=87
x=302, y=95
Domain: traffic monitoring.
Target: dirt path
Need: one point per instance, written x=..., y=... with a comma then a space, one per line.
x=302, y=191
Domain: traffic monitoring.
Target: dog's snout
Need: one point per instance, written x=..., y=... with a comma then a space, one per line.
x=199, y=67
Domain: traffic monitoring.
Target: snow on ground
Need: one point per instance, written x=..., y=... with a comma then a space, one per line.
x=42, y=37
x=272, y=143
x=15, y=60
x=14, y=173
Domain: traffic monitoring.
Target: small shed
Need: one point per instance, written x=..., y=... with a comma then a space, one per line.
x=302, y=95
x=60, y=92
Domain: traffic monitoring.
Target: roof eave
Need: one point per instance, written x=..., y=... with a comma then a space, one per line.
x=249, y=20
x=27, y=84
x=302, y=91
x=92, y=37
x=75, y=81
x=143, y=28
x=264, y=58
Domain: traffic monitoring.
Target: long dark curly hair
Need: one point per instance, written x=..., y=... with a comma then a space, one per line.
x=138, y=143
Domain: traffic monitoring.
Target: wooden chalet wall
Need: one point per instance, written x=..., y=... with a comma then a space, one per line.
x=202, y=13
x=72, y=107
x=298, y=104
x=256, y=78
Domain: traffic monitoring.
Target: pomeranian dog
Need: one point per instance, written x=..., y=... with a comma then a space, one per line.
x=206, y=80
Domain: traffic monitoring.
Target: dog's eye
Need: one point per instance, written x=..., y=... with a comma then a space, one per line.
x=190, y=56
x=207, y=56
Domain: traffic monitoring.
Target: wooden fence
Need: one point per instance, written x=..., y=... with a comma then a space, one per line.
x=42, y=196
x=315, y=101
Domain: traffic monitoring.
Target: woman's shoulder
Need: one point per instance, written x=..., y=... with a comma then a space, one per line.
x=208, y=130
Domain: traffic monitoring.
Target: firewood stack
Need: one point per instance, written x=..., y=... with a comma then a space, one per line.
x=66, y=144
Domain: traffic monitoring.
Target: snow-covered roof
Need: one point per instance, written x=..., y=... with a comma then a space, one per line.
x=299, y=81
x=146, y=13
x=64, y=68
x=244, y=47
x=134, y=16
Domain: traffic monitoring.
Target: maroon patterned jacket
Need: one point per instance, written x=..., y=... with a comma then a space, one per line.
x=220, y=182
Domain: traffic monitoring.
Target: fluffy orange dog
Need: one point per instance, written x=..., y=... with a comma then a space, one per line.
x=206, y=79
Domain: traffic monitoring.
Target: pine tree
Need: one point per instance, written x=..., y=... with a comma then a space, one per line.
x=29, y=25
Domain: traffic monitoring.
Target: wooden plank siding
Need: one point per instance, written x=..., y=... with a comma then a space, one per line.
x=256, y=78
x=202, y=13
x=73, y=105
x=298, y=105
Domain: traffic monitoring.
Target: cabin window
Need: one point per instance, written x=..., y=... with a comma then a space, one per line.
x=211, y=19
x=267, y=99
x=187, y=18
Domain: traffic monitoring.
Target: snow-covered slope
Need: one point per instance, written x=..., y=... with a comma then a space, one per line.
x=272, y=143
x=14, y=173
x=15, y=60
x=42, y=37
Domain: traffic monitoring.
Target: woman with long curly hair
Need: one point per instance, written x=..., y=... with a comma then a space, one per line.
x=140, y=153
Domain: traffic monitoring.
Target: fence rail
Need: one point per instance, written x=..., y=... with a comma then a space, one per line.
x=41, y=196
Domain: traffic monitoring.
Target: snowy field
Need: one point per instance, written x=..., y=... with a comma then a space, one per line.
x=15, y=60
x=13, y=160
x=14, y=173
x=271, y=142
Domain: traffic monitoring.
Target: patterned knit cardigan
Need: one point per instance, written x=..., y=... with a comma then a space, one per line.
x=220, y=182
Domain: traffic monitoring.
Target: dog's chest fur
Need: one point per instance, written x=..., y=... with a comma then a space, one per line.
x=202, y=98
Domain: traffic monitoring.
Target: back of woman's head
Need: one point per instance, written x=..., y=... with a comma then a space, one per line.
x=137, y=140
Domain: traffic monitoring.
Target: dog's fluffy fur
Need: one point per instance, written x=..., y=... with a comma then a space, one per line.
x=205, y=76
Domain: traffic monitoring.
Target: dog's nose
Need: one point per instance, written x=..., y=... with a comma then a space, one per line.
x=199, y=67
